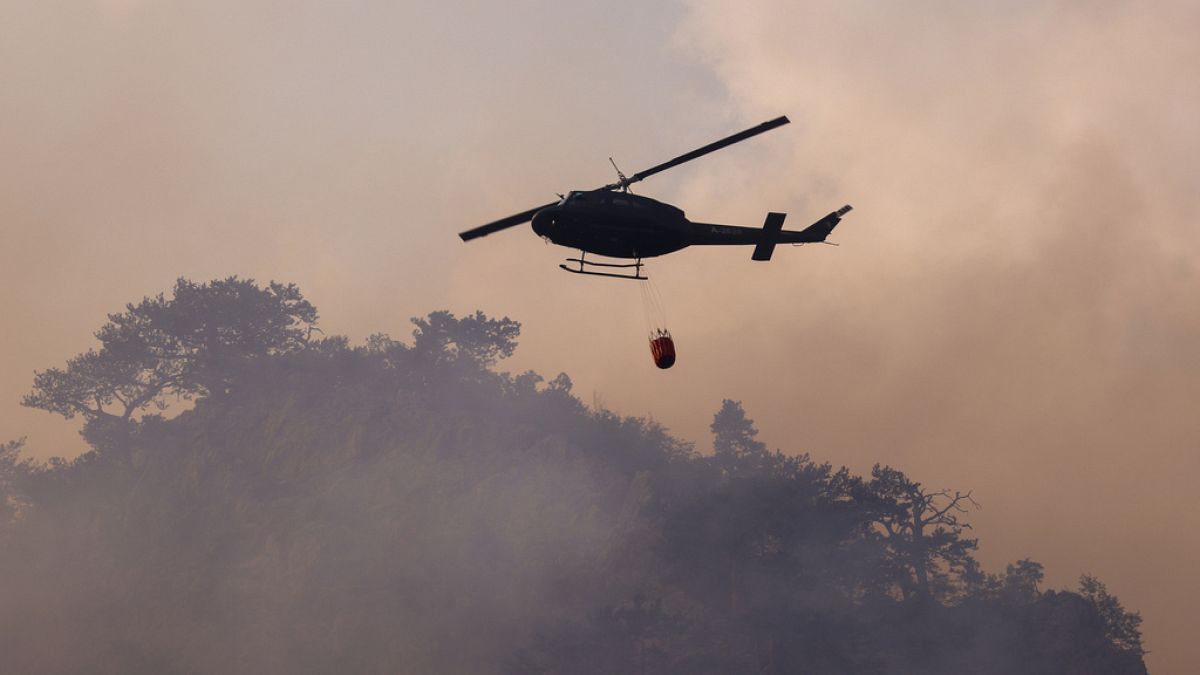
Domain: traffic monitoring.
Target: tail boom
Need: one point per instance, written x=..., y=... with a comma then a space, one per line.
x=764, y=239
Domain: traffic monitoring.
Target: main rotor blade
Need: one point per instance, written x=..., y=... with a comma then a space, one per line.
x=700, y=152
x=503, y=223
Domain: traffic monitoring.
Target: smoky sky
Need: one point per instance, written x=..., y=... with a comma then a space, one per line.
x=1012, y=308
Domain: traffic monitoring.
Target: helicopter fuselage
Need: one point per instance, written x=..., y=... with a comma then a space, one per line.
x=624, y=225
x=614, y=224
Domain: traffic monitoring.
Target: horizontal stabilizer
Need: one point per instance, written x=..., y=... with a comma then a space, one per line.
x=770, y=236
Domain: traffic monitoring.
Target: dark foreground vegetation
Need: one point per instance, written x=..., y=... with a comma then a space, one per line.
x=401, y=507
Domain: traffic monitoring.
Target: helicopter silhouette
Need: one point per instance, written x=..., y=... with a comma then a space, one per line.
x=613, y=222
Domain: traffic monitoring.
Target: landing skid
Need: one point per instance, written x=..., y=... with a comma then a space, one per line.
x=584, y=264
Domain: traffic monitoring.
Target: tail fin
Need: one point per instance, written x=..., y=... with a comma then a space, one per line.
x=770, y=236
x=818, y=231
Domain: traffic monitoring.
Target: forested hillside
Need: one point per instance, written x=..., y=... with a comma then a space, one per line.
x=403, y=506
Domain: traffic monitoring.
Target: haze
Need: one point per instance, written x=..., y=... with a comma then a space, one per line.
x=1012, y=308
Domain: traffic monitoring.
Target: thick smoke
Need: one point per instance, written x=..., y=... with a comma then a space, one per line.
x=1014, y=297
x=1012, y=307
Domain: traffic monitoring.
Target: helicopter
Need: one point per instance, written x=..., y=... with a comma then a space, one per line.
x=612, y=222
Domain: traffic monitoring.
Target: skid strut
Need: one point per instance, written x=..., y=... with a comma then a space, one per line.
x=584, y=264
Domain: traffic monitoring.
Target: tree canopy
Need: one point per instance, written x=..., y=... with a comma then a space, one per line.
x=190, y=344
x=405, y=507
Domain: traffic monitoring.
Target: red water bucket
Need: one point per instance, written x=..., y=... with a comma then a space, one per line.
x=662, y=348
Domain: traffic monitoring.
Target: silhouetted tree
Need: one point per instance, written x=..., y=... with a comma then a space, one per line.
x=9, y=466
x=187, y=345
x=921, y=528
x=1123, y=628
x=736, y=448
x=1021, y=581
x=757, y=523
x=1018, y=586
x=478, y=340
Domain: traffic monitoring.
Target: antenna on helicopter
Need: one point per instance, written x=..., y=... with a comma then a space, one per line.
x=623, y=183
